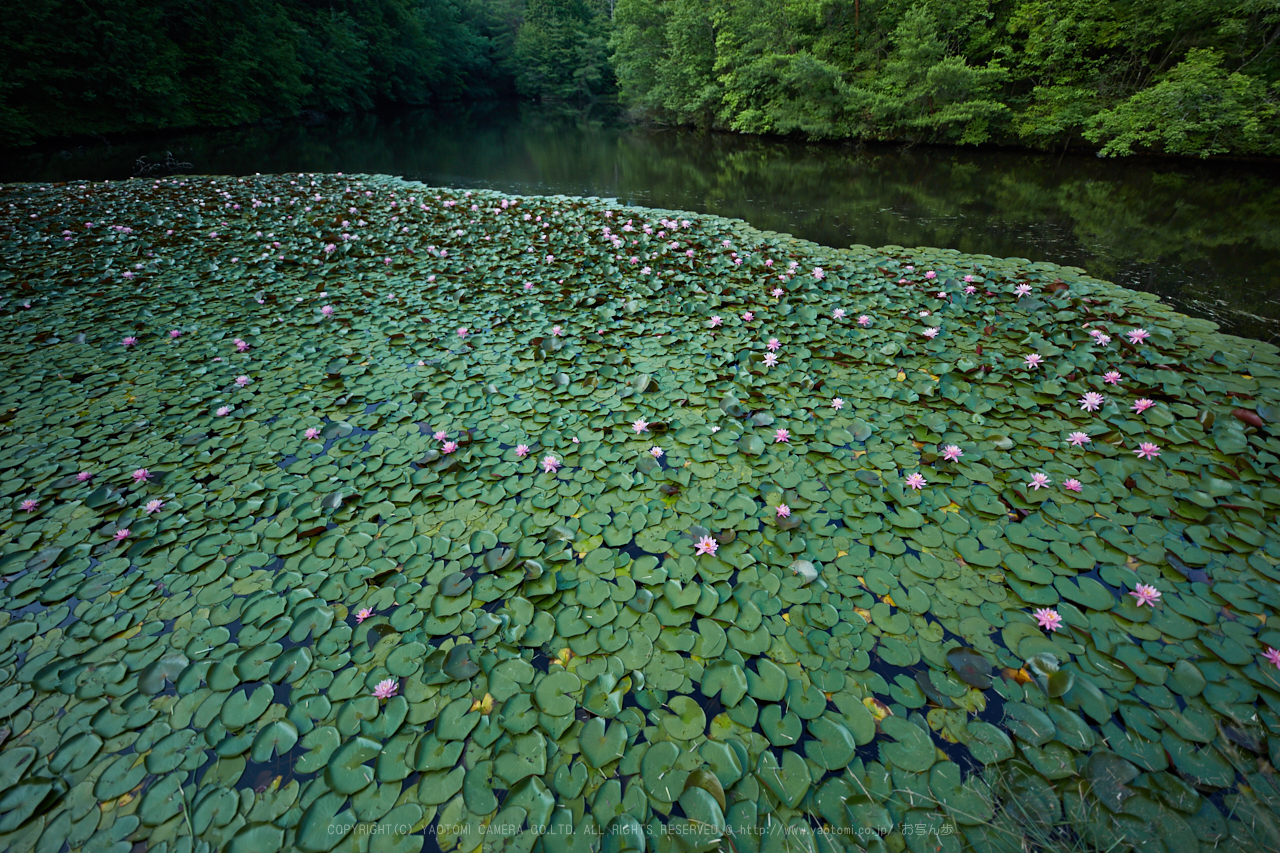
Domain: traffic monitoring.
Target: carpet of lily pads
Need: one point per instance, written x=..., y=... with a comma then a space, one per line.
x=348, y=513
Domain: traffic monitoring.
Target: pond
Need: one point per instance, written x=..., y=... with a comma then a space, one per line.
x=1205, y=237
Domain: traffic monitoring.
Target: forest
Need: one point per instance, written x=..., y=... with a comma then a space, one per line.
x=1181, y=77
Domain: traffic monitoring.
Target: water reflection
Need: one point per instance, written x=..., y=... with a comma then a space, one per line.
x=1205, y=236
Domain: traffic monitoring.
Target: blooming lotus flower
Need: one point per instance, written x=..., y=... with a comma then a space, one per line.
x=1078, y=438
x=241, y=346
x=773, y=345
x=1032, y=361
x=923, y=314
x=1102, y=340
x=776, y=292
x=784, y=511
x=838, y=314
x=528, y=285
x=1146, y=594
x=640, y=425
x=1137, y=336
x=84, y=475
x=1072, y=485
x=942, y=294
x=462, y=332
x=818, y=273
x=970, y=290
x=716, y=321
x=1273, y=656
x=1048, y=619
x=141, y=476
x=550, y=464
x=1111, y=377
x=1091, y=401
x=837, y=404
x=129, y=341
x=223, y=411
x=951, y=453
x=707, y=545
x=1147, y=450
x=30, y=504
x=931, y=275
x=770, y=359
x=522, y=450
x=1143, y=404
x=780, y=436
x=968, y=278
x=932, y=332
x=440, y=435
x=916, y=481
x=715, y=428
x=864, y=320
x=1022, y=290
x=153, y=506
x=656, y=451
x=327, y=310
x=1039, y=480
x=386, y=688
x=175, y=333
x=748, y=316
x=243, y=381
x=556, y=331
x=363, y=615
x=449, y=447
x=121, y=534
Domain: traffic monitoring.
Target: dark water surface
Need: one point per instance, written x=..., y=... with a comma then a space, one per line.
x=1204, y=236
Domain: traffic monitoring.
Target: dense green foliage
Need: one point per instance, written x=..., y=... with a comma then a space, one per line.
x=1194, y=77
x=94, y=66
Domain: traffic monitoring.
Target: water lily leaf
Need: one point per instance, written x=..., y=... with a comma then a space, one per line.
x=601, y=745
x=347, y=772
x=788, y=781
x=989, y=744
x=686, y=721
x=554, y=693
x=971, y=667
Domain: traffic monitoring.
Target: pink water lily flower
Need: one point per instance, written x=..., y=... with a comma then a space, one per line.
x=1091, y=401
x=770, y=359
x=951, y=453
x=364, y=614
x=774, y=345
x=837, y=404
x=312, y=432
x=1137, y=336
x=141, y=475
x=930, y=275
x=818, y=273
x=1078, y=438
x=121, y=534
x=1143, y=404
x=656, y=451
x=449, y=447
x=784, y=511
x=776, y=292
x=223, y=411
x=1039, y=480
x=932, y=332
x=556, y=331
x=243, y=381
x=462, y=332
x=84, y=475
x=780, y=436
x=1273, y=656
x=153, y=506
x=640, y=425
x=707, y=545
x=241, y=346
x=550, y=464
x=175, y=333
x=1048, y=619
x=969, y=290
x=748, y=316
x=386, y=688
x=1072, y=485
x=838, y=314
x=1147, y=450
x=916, y=481
x=327, y=310
x=129, y=341
x=1111, y=377
x=1146, y=594
x=440, y=435
x=1022, y=290
x=1032, y=361
x=864, y=320
x=716, y=320
x=30, y=504
x=522, y=450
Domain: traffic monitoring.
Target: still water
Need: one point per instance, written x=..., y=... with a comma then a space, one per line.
x=1204, y=236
